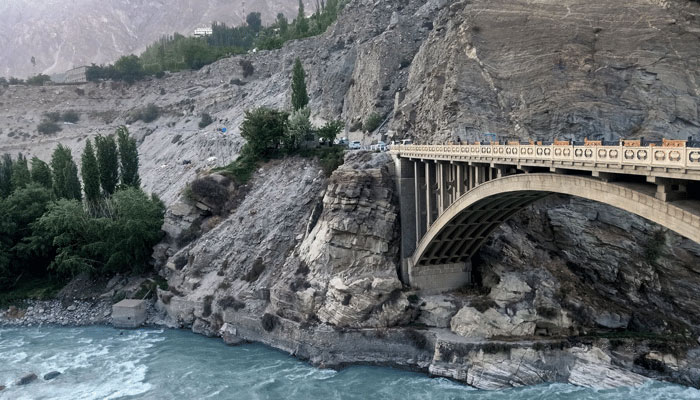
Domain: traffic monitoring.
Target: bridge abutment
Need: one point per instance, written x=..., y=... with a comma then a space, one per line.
x=440, y=278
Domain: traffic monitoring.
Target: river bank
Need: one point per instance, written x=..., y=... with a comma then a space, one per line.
x=100, y=362
x=600, y=363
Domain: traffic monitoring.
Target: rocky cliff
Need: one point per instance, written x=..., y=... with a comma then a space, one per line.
x=567, y=291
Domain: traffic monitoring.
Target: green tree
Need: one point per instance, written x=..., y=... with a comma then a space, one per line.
x=282, y=23
x=298, y=130
x=129, y=69
x=120, y=241
x=264, y=129
x=300, y=98
x=66, y=184
x=17, y=213
x=302, y=24
x=330, y=129
x=20, y=173
x=6, y=175
x=129, y=158
x=254, y=21
x=108, y=163
x=41, y=173
x=91, y=173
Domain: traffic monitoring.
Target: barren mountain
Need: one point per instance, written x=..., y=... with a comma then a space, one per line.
x=61, y=34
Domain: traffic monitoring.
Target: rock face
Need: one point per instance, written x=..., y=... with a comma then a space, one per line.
x=547, y=69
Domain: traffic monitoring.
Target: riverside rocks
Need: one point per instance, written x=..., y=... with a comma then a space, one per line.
x=27, y=379
x=55, y=312
x=51, y=375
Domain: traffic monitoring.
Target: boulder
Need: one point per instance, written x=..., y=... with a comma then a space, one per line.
x=51, y=375
x=510, y=289
x=612, y=320
x=2, y=387
x=469, y=322
x=436, y=311
x=27, y=379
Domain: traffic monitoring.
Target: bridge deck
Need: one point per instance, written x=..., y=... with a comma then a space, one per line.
x=656, y=161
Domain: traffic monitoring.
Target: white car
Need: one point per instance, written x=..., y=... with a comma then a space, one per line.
x=354, y=145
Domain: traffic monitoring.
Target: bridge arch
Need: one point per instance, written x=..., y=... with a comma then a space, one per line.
x=458, y=232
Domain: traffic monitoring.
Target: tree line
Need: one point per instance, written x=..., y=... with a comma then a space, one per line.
x=54, y=226
x=177, y=52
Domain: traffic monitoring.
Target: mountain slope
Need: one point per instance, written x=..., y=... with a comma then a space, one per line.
x=62, y=34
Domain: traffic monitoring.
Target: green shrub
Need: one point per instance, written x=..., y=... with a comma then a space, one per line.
x=654, y=246
x=205, y=121
x=417, y=339
x=247, y=68
x=255, y=271
x=147, y=114
x=70, y=116
x=372, y=122
x=53, y=116
x=48, y=127
x=269, y=322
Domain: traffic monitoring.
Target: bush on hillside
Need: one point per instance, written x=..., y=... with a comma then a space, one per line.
x=48, y=127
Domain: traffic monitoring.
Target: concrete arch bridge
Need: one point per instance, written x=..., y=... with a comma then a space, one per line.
x=453, y=197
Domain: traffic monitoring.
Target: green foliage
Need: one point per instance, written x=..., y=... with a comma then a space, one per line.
x=298, y=130
x=17, y=213
x=654, y=246
x=205, y=121
x=301, y=23
x=6, y=165
x=177, y=52
x=66, y=184
x=41, y=173
x=42, y=288
x=254, y=21
x=20, y=173
x=242, y=169
x=4, y=82
x=129, y=158
x=108, y=163
x=48, y=127
x=90, y=172
x=264, y=129
x=38, y=80
x=119, y=241
x=15, y=81
x=372, y=122
x=330, y=130
x=300, y=98
x=147, y=114
x=53, y=116
x=128, y=68
x=70, y=116
x=247, y=67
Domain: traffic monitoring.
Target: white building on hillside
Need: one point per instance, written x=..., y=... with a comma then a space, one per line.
x=200, y=32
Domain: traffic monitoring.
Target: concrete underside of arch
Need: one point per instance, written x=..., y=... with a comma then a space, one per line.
x=441, y=260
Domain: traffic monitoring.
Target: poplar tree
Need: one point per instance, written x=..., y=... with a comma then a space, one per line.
x=299, y=96
x=6, y=175
x=302, y=25
x=41, y=173
x=108, y=163
x=20, y=173
x=129, y=158
x=91, y=173
x=66, y=184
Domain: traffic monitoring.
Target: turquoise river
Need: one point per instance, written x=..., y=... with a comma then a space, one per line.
x=104, y=363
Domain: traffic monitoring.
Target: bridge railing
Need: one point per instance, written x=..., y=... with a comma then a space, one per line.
x=657, y=156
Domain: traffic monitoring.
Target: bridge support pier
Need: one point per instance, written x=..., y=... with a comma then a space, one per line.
x=432, y=279
x=669, y=189
x=409, y=203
